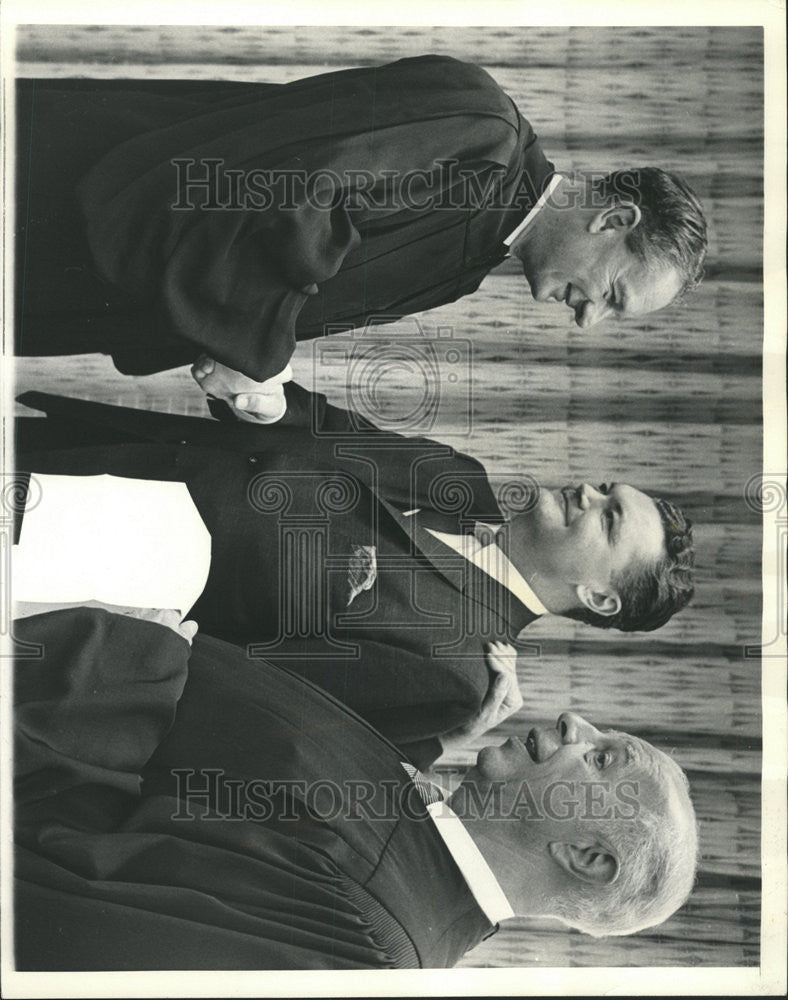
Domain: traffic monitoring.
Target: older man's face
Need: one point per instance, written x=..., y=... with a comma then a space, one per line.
x=559, y=781
x=594, y=273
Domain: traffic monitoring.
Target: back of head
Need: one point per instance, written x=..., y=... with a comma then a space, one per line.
x=657, y=850
x=672, y=228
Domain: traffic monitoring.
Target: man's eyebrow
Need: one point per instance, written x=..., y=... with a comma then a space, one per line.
x=631, y=748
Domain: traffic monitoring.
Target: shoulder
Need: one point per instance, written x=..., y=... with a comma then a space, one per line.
x=452, y=72
x=453, y=482
x=460, y=84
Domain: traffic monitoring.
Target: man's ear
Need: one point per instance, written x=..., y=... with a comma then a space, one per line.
x=591, y=863
x=615, y=217
x=603, y=602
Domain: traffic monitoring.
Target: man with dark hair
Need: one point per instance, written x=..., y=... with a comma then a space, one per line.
x=650, y=591
x=157, y=220
x=378, y=565
x=185, y=808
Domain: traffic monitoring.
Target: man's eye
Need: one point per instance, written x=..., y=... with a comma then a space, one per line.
x=602, y=759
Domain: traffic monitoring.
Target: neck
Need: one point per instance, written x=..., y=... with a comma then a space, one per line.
x=563, y=195
x=517, y=552
x=520, y=864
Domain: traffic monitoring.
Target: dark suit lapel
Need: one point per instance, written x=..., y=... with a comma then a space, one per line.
x=449, y=564
x=463, y=575
x=487, y=592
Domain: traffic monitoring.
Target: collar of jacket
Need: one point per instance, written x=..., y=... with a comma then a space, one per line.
x=468, y=579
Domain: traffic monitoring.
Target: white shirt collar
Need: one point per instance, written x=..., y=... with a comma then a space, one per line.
x=555, y=180
x=494, y=561
x=484, y=886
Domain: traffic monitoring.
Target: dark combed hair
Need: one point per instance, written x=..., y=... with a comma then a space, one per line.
x=672, y=229
x=652, y=594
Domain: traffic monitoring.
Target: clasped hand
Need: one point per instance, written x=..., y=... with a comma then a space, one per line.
x=502, y=699
x=253, y=402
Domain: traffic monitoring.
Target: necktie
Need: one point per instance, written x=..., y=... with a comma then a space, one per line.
x=429, y=793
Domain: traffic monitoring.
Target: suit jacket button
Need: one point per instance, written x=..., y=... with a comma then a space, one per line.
x=252, y=460
x=182, y=442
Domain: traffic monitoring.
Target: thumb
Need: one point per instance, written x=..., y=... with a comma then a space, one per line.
x=264, y=403
x=261, y=407
x=188, y=630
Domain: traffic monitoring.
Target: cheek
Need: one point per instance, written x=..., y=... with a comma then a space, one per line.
x=588, y=554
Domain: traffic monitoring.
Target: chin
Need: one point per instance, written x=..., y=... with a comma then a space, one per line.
x=489, y=762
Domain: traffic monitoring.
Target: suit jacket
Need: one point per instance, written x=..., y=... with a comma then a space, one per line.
x=290, y=511
x=107, y=264
x=125, y=862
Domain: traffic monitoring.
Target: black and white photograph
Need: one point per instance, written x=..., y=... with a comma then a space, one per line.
x=394, y=510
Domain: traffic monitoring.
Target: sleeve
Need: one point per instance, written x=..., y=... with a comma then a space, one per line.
x=222, y=219
x=406, y=471
x=408, y=698
x=95, y=705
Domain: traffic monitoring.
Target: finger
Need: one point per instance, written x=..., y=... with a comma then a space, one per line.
x=266, y=404
x=260, y=408
x=501, y=662
x=508, y=656
x=497, y=693
x=513, y=702
x=495, y=664
x=203, y=366
x=188, y=630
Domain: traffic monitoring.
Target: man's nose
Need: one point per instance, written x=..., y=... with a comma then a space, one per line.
x=587, y=495
x=588, y=314
x=572, y=728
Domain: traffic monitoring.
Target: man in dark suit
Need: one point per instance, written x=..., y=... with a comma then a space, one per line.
x=158, y=220
x=371, y=562
x=188, y=809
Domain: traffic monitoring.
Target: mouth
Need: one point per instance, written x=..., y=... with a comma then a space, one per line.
x=530, y=745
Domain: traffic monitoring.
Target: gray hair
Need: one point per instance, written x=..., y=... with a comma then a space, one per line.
x=658, y=857
x=672, y=229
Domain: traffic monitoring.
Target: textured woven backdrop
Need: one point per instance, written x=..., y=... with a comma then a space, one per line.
x=671, y=403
